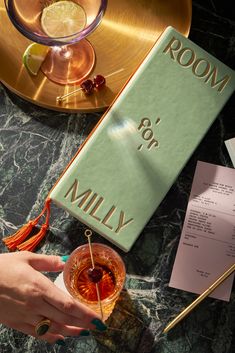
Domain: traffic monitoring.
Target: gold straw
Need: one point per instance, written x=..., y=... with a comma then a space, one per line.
x=207, y=292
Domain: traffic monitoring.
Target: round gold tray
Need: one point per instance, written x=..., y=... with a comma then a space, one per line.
x=127, y=32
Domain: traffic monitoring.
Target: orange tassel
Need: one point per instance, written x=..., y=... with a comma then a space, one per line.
x=32, y=242
x=14, y=241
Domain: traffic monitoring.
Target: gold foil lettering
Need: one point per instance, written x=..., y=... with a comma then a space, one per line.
x=173, y=46
x=153, y=143
x=147, y=134
x=90, y=202
x=107, y=217
x=95, y=204
x=74, y=197
x=213, y=76
x=189, y=60
x=95, y=208
x=122, y=223
x=158, y=121
x=196, y=65
x=186, y=57
x=142, y=123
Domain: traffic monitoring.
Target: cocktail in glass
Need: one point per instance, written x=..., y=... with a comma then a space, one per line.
x=98, y=287
x=62, y=25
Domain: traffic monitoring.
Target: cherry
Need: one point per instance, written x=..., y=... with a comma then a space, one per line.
x=99, y=81
x=95, y=274
x=87, y=87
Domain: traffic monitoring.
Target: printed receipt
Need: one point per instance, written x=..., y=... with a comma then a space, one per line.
x=207, y=243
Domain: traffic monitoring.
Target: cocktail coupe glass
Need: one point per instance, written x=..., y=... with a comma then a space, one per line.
x=63, y=27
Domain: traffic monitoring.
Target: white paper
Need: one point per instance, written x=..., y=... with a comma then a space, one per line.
x=207, y=243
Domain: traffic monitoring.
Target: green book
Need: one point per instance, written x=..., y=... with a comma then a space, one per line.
x=129, y=162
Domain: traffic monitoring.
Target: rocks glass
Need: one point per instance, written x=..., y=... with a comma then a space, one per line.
x=97, y=287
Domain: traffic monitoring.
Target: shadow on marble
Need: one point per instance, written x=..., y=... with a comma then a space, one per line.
x=127, y=329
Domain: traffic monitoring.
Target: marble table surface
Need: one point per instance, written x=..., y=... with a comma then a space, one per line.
x=35, y=146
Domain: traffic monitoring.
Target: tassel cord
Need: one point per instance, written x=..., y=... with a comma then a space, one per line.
x=31, y=243
x=16, y=241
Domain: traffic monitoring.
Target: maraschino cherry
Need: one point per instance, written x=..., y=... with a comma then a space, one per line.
x=95, y=274
x=99, y=81
x=87, y=86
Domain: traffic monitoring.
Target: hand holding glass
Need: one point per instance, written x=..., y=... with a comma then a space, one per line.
x=109, y=276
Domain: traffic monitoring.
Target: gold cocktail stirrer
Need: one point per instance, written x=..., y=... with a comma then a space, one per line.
x=207, y=292
x=88, y=234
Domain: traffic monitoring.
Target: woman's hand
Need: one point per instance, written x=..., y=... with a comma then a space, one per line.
x=27, y=297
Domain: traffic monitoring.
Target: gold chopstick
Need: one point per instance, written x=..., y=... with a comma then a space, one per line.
x=207, y=292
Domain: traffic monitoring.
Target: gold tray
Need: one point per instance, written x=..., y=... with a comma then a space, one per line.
x=127, y=32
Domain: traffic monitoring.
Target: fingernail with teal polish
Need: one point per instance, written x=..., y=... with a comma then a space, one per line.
x=64, y=258
x=99, y=324
x=85, y=333
x=61, y=343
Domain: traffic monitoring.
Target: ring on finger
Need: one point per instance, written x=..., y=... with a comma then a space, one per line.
x=42, y=327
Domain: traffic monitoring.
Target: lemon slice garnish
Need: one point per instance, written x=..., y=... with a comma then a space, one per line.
x=63, y=18
x=34, y=56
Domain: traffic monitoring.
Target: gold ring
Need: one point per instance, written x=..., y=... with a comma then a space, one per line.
x=42, y=327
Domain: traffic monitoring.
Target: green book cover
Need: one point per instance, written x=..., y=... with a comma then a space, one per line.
x=135, y=153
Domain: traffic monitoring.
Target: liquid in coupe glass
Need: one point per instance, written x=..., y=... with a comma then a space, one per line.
x=63, y=25
x=108, y=275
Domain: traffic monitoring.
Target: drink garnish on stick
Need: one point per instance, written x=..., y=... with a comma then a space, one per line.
x=94, y=273
x=88, y=86
x=95, y=276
